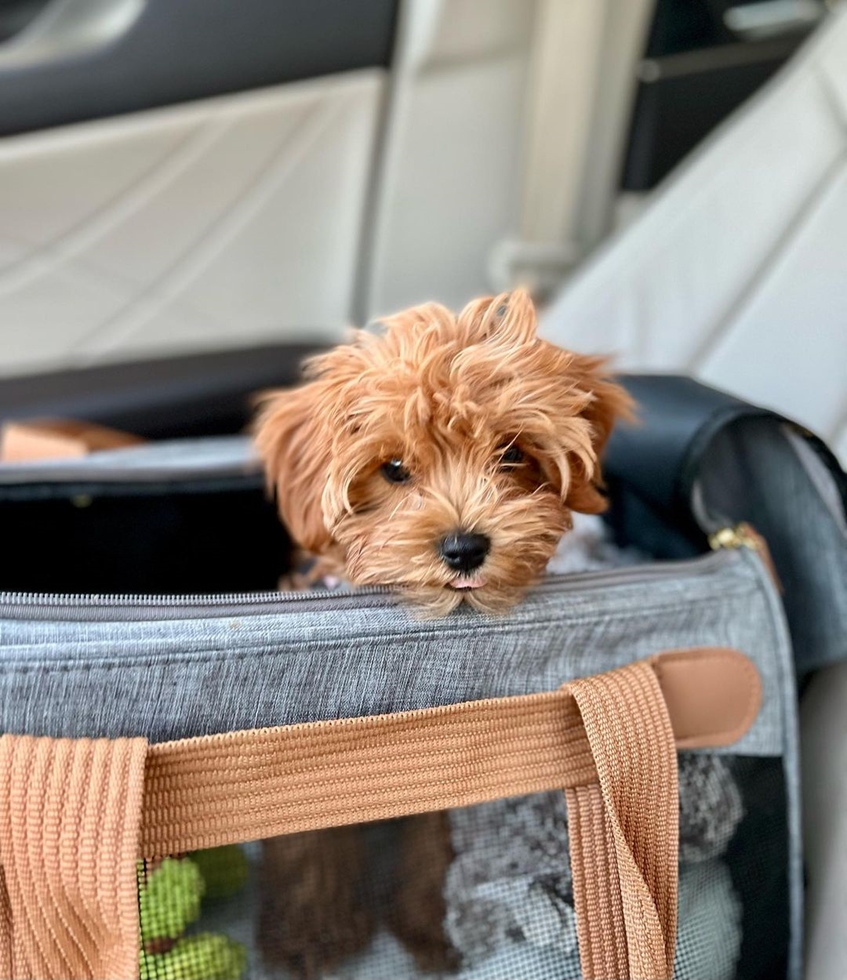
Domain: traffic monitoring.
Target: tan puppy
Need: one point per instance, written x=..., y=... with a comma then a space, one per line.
x=443, y=456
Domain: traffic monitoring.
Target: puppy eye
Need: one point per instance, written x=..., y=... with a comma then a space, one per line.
x=395, y=472
x=512, y=455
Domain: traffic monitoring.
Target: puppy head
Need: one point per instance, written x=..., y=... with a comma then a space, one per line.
x=444, y=455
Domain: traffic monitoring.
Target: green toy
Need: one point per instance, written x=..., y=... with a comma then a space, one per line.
x=206, y=956
x=169, y=899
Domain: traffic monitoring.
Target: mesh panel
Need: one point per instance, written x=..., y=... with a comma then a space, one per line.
x=480, y=893
x=758, y=860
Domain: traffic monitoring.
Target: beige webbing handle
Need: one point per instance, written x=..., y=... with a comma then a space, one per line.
x=239, y=786
x=609, y=741
x=70, y=810
x=623, y=829
x=72, y=822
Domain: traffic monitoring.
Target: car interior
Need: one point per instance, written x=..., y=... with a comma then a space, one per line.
x=195, y=194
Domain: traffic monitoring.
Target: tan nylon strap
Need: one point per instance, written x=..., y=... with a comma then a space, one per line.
x=70, y=810
x=596, y=886
x=624, y=829
x=306, y=777
x=309, y=776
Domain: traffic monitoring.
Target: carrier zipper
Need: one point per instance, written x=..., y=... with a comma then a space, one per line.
x=744, y=535
x=372, y=595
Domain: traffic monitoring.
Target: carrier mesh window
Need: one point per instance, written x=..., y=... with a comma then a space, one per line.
x=479, y=893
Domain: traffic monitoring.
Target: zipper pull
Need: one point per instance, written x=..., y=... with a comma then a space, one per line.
x=744, y=535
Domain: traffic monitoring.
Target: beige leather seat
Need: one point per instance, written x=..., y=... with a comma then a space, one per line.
x=737, y=269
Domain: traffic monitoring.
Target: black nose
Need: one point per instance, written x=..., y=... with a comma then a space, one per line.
x=464, y=552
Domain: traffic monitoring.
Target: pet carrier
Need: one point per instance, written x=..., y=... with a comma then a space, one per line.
x=202, y=777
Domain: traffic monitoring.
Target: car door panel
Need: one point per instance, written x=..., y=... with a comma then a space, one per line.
x=222, y=222
x=182, y=50
x=199, y=181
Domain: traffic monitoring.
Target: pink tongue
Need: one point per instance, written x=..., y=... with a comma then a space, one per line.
x=463, y=582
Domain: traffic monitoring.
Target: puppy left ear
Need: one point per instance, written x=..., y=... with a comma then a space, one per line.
x=608, y=403
x=294, y=449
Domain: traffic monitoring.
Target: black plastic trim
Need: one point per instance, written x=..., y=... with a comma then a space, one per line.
x=181, y=50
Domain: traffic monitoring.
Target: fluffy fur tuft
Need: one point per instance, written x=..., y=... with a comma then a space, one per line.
x=499, y=432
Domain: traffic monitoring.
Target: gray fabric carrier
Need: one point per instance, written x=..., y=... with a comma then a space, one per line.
x=173, y=666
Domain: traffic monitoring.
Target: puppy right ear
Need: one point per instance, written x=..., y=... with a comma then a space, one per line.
x=295, y=456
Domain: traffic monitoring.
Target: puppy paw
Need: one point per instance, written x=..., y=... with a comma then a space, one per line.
x=312, y=915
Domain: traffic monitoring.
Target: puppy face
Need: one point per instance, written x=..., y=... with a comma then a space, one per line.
x=444, y=456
